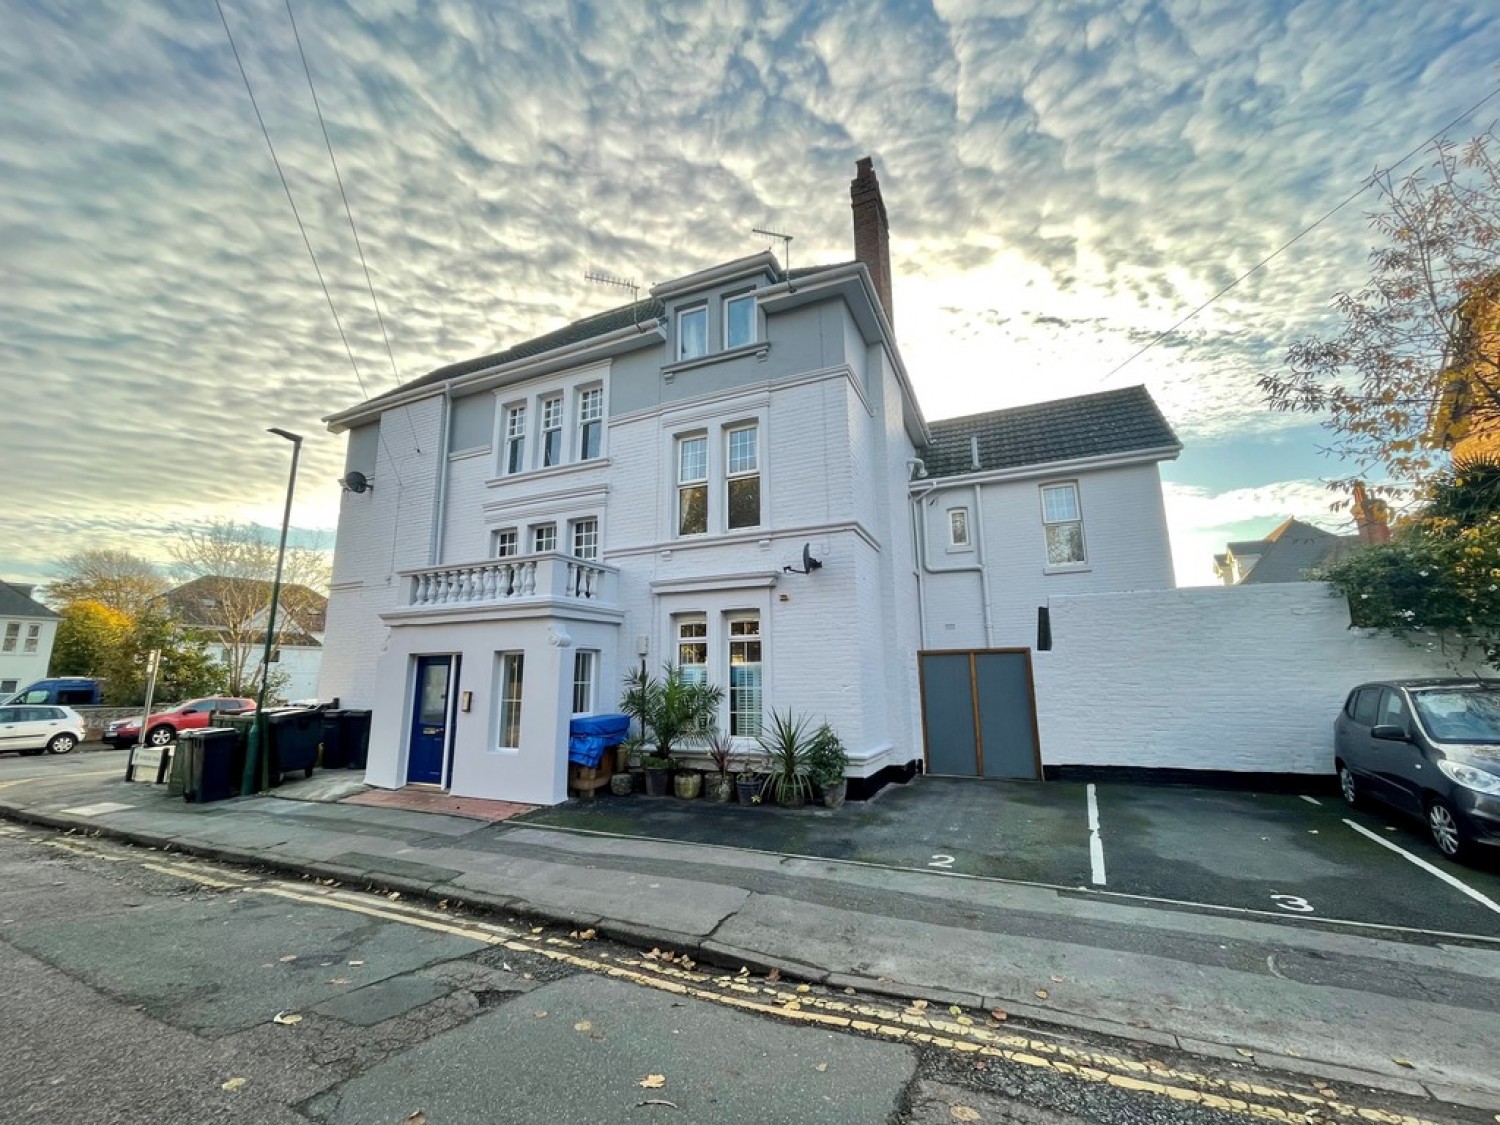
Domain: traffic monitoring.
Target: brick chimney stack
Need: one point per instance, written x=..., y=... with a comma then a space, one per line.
x=872, y=231
x=1371, y=516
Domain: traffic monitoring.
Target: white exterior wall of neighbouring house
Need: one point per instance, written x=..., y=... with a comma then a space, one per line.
x=1002, y=576
x=1241, y=678
x=19, y=665
x=301, y=665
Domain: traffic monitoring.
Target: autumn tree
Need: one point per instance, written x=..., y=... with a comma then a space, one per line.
x=1414, y=368
x=109, y=577
x=228, y=569
x=110, y=645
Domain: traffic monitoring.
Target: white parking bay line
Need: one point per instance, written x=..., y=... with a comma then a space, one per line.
x=1311, y=800
x=1429, y=868
x=1096, y=845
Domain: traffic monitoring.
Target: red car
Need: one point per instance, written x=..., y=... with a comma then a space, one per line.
x=164, y=726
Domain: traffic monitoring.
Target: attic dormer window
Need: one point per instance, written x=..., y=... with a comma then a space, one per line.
x=692, y=333
x=739, y=321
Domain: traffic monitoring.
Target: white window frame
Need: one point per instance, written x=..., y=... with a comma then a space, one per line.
x=501, y=539
x=12, y=636
x=510, y=676
x=543, y=538
x=583, y=538
x=33, y=638
x=514, y=447
x=729, y=303
x=683, y=315
x=691, y=629
x=9, y=687
x=550, y=417
x=1048, y=524
x=960, y=533
x=731, y=474
x=686, y=483
x=590, y=413
x=744, y=723
x=585, y=680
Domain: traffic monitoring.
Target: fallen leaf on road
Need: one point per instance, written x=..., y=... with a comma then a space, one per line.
x=848, y=992
x=583, y=1025
x=955, y=1010
x=792, y=1006
x=539, y=1015
x=234, y=1084
x=964, y=1113
x=338, y=980
x=286, y=1017
x=1042, y=994
x=919, y=1005
x=417, y=1118
x=804, y=988
x=965, y=1021
x=686, y=962
x=288, y=957
x=1404, y=1062
x=999, y=1015
x=744, y=972
x=774, y=974
x=1057, y=980
x=1249, y=1054
x=525, y=976
x=820, y=1067
x=657, y=1101
x=536, y=929
x=588, y=935
x=394, y=895
x=652, y=1082
x=980, y=1064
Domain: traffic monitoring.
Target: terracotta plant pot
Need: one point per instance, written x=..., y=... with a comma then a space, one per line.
x=833, y=795
x=656, y=781
x=688, y=785
x=719, y=788
x=749, y=790
x=622, y=784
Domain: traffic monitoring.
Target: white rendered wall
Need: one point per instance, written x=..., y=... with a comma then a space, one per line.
x=1243, y=678
x=28, y=667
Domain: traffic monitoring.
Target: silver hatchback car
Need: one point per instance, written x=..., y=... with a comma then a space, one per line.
x=1430, y=748
x=31, y=728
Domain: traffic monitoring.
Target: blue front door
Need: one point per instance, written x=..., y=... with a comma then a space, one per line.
x=429, y=721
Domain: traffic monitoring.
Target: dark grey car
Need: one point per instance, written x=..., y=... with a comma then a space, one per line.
x=1430, y=748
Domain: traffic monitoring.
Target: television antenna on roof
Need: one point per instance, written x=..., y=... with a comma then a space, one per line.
x=599, y=277
x=786, y=244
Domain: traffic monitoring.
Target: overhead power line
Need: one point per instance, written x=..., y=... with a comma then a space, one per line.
x=1369, y=182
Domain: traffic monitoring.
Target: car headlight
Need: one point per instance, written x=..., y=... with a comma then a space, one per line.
x=1469, y=777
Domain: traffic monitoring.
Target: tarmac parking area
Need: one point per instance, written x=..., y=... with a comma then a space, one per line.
x=1300, y=857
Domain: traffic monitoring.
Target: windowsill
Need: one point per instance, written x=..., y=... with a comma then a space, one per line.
x=964, y=550
x=739, y=534
x=549, y=471
x=760, y=349
x=1068, y=568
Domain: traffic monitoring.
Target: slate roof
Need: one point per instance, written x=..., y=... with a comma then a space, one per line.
x=307, y=608
x=644, y=313
x=1096, y=425
x=16, y=601
x=1293, y=549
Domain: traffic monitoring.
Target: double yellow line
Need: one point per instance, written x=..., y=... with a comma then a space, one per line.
x=914, y=1024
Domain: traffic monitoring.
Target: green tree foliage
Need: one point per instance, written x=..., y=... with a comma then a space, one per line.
x=670, y=709
x=1438, y=581
x=111, y=645
x=90, y=638
x=1418, y=341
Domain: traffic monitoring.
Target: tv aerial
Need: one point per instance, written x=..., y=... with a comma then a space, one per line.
x=786, y=244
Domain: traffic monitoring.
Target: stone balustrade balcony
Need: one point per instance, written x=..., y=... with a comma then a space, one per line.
x=510, y=580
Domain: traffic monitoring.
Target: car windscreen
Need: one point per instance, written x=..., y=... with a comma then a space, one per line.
x=1460, y=715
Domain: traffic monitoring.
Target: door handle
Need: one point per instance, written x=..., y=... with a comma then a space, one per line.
x=432, y=730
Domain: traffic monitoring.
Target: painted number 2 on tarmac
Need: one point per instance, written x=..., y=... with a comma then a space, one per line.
x=1293, y=903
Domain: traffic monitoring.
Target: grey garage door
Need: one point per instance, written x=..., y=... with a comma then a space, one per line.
x=979, y=713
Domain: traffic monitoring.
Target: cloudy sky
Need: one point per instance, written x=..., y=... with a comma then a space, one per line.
x=1065, y=179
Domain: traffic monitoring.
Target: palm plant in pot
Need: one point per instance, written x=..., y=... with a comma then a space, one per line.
x=718, y=785
x=827, y=761
x=669, y=710
x=785, y=743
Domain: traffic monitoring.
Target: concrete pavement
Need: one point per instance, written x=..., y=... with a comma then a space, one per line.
x=1393, y=1010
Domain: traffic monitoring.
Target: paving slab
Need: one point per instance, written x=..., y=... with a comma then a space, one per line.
x=515, y=1066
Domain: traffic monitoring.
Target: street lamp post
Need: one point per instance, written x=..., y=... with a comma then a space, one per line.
x=255, y=756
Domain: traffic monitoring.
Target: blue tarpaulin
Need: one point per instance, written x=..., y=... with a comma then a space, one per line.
x=589, y=736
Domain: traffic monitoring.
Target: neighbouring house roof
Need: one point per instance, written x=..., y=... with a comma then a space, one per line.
x=1292, y=550
x=16, y=601
x=1068, y=429
x=194, y=604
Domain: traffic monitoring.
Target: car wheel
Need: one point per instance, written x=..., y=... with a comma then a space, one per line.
x=160, y=736
x=1349, y=787
x=1446, y=830
x=61, y=743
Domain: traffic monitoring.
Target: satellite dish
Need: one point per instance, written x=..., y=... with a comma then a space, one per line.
x=809, y=564
x=356, y=481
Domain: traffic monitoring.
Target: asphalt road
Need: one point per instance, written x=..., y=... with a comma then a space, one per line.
x=140, y=986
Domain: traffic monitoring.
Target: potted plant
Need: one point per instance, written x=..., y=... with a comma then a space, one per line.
x=718, y=785
x=826, y=762
x=668, y=710
x=627, y=759
x=687, y=784
x=785, y=743
x=749, y=785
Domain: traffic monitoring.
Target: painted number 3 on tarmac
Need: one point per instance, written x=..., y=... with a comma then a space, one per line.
x=1293, y=903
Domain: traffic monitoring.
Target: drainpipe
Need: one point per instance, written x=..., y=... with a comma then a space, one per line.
x=984, y=571
x=919, y=550
x=925, y=567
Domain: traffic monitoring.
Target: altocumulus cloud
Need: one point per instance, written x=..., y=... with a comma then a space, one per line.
x=1065, y=180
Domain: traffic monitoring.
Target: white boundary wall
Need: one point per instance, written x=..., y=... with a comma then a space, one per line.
x=1242, y=678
